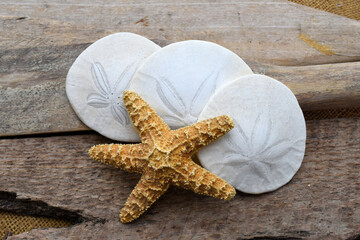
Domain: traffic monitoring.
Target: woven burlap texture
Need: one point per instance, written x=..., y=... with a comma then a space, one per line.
x=346, y=8
x=12, y=224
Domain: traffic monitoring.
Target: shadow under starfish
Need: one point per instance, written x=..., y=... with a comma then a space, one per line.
x=164, y=157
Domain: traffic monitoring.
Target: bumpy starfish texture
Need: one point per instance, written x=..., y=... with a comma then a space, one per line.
x=164, y=157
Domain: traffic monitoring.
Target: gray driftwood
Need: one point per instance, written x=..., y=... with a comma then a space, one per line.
x=317, y=54
x=321, y=202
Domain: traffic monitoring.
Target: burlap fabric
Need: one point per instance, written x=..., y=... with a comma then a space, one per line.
x=346, y=8
x=12, y=224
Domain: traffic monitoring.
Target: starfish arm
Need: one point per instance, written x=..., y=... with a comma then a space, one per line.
x=131, y=158
x=191, y=138
x=191, y=176
x=143, y=117
x=146, y=192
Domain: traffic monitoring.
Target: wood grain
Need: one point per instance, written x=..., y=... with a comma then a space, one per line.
x=321, y=202
x=265, y=31
x=35, y=55
x=315, y=53
x=317, y=87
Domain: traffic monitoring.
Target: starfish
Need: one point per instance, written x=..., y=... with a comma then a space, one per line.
x=164, y=157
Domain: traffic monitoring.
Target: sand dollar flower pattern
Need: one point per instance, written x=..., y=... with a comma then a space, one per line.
x=256, y=153
x=266, y=147
x=108, y=95
x=179, y=79
x=183, y=113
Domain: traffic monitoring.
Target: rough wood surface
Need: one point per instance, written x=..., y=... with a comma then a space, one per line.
x=317, y=54
x=321, y=202
x=35, y=55
x=266, y=31
x=326, y=86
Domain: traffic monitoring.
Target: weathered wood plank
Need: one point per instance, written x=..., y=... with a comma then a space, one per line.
x=34, y=65
x=35, y=54
x=326, y=86
x=321, y=202
x=281, y=39
x=267, y=31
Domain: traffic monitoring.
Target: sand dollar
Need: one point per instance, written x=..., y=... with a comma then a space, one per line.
x=178, y=80
x=98, y=77
x=266, y=147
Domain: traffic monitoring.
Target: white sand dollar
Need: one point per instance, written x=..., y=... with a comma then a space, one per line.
x=266, y=147
x=98, y=77
x=178, y=80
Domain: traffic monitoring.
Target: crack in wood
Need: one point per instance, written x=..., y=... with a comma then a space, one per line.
x=355, y=237
x=10, y=203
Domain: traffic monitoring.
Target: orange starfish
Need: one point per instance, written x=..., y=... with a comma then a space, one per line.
x=164, y=157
